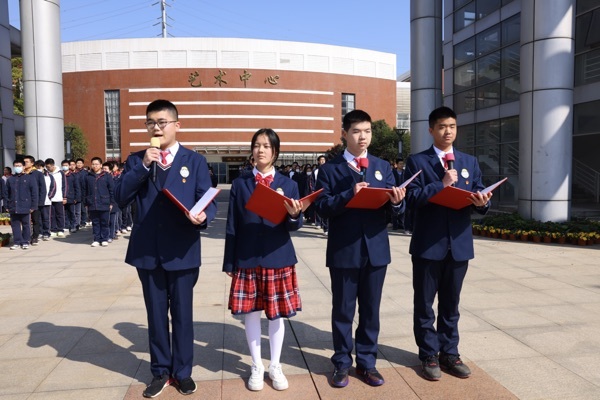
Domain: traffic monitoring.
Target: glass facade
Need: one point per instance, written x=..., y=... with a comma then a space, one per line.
x=469, y=11
x=587, y=42
x=486, y=67
x=495, y=143
x=112, y=121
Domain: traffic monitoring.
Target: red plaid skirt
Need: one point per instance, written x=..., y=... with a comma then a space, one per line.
x=274, y=290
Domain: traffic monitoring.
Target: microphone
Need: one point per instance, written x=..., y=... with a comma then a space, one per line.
x=363, y=164
x=450, y=160
x=154, y=142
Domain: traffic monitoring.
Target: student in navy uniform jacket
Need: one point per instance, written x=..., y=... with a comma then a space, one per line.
x=260, y=257
x=441, y=244
x=358, y=249
x=99, y=198
x=72, y=194
x=36, y=215
x=21, y=192
x=165, y=243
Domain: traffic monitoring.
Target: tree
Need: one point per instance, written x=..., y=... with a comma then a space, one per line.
x=334, y=151
x=79, y=143
x=384, y=141
x=17, y=84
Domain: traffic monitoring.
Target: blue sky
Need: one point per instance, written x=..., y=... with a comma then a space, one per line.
x=382, y=25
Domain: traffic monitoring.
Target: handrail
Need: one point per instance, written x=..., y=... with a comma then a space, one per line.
x=587, y=178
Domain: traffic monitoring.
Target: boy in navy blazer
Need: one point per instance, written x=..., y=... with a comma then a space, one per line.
x=165, y=243
x=358, y=249
x=441, y=244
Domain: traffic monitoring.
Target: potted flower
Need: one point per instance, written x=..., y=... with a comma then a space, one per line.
x=559, y=237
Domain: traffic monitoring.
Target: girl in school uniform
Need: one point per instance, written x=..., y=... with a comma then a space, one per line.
x=260, y=259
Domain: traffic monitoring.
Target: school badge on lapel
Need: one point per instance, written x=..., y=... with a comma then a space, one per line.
x=378, y=175
x=184, y=172
x=280, y=191
x=464, y=173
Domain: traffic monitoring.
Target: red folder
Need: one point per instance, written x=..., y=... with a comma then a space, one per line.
x=200, y=204
x=369, y=198
x=268, y=204
x=456, y=198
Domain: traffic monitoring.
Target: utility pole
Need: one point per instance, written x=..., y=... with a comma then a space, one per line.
x=163, y=9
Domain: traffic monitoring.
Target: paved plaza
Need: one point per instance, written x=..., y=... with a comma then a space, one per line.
x=73, y=325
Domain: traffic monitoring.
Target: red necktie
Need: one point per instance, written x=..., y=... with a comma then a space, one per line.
x=362, y=162
x=266, y=180
x=163, y=156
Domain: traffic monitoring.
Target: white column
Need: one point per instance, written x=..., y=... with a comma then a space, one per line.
x=42, y=78
x=7, y=121
x=425, y=68
x=546, y=109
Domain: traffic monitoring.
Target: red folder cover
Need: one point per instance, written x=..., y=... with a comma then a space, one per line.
x=456, y=198
x=369, y=198
x=200, y=204
x=268, y=204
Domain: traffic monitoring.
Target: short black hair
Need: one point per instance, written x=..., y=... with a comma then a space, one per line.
x=49, y=161
x=161, y=105
x=273, y=140
x=18, y=161
x=30, y=158
x=80, y=159
x=96, y=158
x=440, y=113
x=353, y=117
x=40, y=164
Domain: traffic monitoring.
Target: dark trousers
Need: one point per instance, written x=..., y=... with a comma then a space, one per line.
x=78, y=215
x=84, y=215
x=164, y=292
x=70, y=218
x=112, y=225
x=126, y=217
x=36, y=222
x=445, y=278
x=21, y=228
x=100, y=222
x=57, y=217
x=45, y=211
x=348, y=285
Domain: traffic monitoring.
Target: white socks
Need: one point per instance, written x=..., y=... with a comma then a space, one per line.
x=253, y=336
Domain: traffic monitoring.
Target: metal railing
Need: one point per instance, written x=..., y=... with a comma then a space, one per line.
x=587, y=179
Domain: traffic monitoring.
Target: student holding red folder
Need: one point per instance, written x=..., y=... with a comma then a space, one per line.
x=358, y=248
x=260, y=258
x=441, y=244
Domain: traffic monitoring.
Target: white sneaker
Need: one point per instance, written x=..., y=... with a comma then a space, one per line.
x=104, y=244
x=14, y=247
x=60, y=234
x=280, y=382
x=95, y=244
x=257, y=379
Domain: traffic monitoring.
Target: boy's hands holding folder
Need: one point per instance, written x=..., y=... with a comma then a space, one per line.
x=397, y=195
x=196, y=219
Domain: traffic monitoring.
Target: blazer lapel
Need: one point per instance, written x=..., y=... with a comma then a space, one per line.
x=175, y=171
x=435, y=163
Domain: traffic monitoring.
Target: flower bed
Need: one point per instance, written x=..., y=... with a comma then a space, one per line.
x=513, y=227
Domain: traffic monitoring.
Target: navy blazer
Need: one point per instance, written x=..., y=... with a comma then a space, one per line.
x=162, y=233
x=355, y=235
x=437, y=229
x=21, y=194
x=99, y=191
x=250, y=240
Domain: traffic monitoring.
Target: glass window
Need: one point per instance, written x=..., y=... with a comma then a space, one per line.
x=488, y=68
x=464, y=17
x=113, y=124
x=465, y=138
x=509, y=159
x=587, y=67
x=348, y=103
x=511, y=30
x=586, y=5
x=505, y=2
x=488, y=95
x=511, y=59
x=464, y=101
x=488, y=40
x=487, y=132
x=509, y=129
x=511, y=89
x=488, y=157
x=464, y=77
x=586, y=118
x=460, y=3
x=486, y=7
x=464, y=51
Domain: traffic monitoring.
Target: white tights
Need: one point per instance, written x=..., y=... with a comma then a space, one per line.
x=253, y=335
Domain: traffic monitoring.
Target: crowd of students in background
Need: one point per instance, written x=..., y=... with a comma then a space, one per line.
x=45, y=200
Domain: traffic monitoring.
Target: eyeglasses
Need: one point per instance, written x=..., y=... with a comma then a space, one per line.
x=161, y=124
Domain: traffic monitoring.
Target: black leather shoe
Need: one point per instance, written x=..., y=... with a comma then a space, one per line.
x=186, y=386
x=453, y=365
x=371, y=376
x=340, y=378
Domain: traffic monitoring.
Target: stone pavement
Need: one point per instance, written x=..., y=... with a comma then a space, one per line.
x=73, y=325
